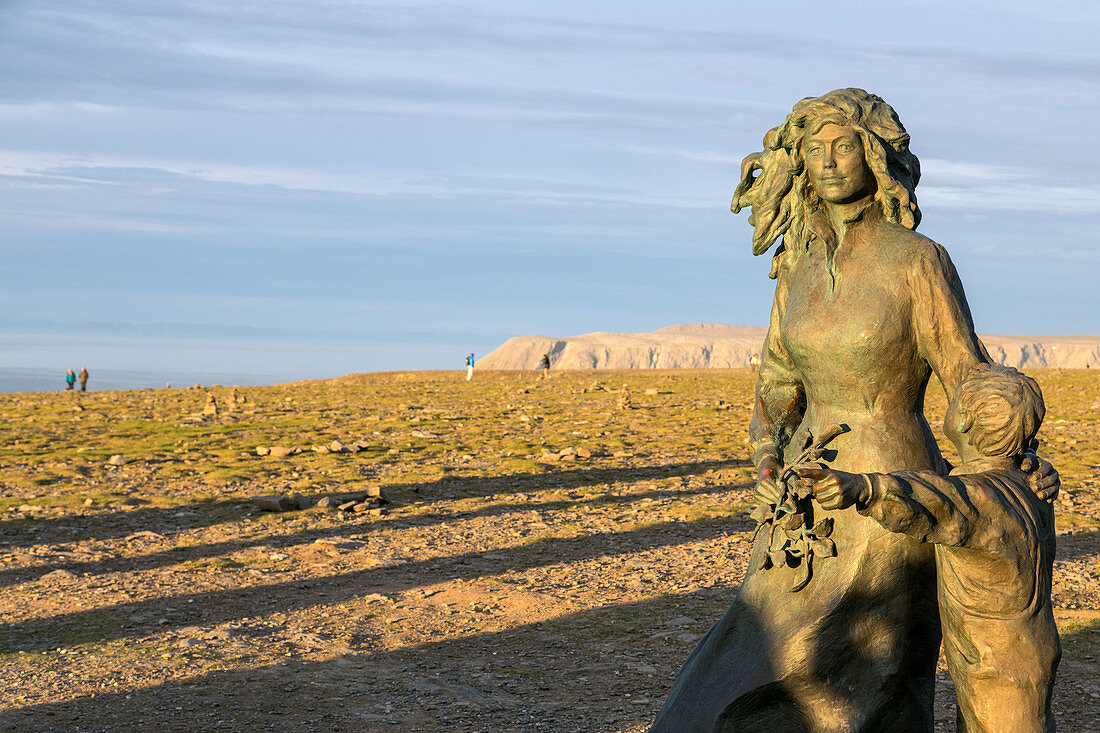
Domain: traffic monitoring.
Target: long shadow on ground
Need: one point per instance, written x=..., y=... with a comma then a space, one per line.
x=509, y=680
x=219, y=606
x=154, y=520
x=472, y=486
x=597, y=671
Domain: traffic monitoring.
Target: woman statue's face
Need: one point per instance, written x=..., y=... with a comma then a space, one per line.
x=835, y=164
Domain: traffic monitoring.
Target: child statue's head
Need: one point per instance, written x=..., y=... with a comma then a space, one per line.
x=997, y=410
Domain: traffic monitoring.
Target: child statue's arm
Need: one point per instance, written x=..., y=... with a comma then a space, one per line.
x=923, y=505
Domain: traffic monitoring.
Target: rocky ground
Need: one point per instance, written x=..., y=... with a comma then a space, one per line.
x=513, y=554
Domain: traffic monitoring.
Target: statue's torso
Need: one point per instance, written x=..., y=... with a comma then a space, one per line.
x=852, y=341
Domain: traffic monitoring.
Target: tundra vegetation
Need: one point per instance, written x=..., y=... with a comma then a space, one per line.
x=512, y=553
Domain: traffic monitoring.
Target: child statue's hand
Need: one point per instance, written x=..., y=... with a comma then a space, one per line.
x=836, y=489
x=1042, y=476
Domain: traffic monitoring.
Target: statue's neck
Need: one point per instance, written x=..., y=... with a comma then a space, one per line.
x=841, y=215
x=974, y=462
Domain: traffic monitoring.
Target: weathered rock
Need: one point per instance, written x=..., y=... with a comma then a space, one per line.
x=262, y=450
x=144, y=534
x=117, y=460
x=373, y=492
x=269, y=503
x=60, y=575
x=279, y=451
x=347, y=506
x=321, y=449
x=337, y=447
x=327, y=502
x=297, y=501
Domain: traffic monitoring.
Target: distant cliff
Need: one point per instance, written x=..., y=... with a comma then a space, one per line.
x=708, y=345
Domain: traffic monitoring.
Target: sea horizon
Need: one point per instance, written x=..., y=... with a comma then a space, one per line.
x=42, y=379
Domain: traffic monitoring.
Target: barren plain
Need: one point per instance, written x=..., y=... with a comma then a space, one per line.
x=545, y=561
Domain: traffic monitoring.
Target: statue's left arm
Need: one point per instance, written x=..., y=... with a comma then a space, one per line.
x=941, y=318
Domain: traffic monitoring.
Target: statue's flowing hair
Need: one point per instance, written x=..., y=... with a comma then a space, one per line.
x=775, y=185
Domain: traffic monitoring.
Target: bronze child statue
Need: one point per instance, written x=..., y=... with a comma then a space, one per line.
x=994, y=546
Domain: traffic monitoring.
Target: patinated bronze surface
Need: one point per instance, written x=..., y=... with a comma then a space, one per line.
x=836, y=626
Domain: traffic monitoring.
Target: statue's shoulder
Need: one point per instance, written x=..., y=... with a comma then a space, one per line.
x=911, y=248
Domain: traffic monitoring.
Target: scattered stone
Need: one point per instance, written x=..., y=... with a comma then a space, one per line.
x=188, y=643
x=680, y=621
x=279, y=451
x=373, y=492
x=652, y=392
x=337, y=447
x=338, y=543
x=584, y=453
x=262, y=450
x=278, y=556
x=117, y=460
x=377, y=597
x=268, y=503
x=327, y=502
x=296, y=501
x=144, y=534
x=347, y=506
x=362, y=507
x=321, y=449
x=60, y=575
x=89, y=502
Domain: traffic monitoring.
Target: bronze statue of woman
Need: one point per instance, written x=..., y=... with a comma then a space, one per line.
x=865, y=311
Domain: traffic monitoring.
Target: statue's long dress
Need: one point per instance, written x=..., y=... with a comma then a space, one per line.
x=855, y=650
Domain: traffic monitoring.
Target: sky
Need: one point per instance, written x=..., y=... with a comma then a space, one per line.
x=306, y=189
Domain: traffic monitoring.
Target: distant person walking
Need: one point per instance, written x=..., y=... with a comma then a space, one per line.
x=470, y=367
x=70, y=379
x=83, y=379
x=754, y=363
x=544, y=365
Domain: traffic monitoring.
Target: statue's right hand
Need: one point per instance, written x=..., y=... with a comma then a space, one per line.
x=767, y=481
